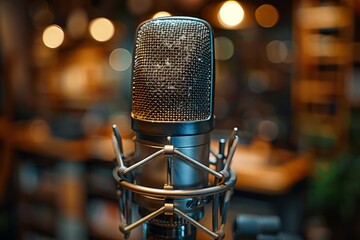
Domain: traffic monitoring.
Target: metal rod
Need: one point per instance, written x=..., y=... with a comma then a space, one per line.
x=215, y=213
x=219, y=165
x=198, y=164
x=128, y=209
x=169, y=166
x=119, y=193
x=231, y=153
x=231, y=139
x=142, y=162
x=220, y=157
x=156, y=192
x=195, y=223
x=226, y=206
x=118, y=155
x=144, y=219
x=119, y=140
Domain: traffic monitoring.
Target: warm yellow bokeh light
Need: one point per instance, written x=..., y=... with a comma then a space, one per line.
x=231, y=14
x=161, y=14
x=101, y=29
x=53, y=36
x=39, y=130
x=266, y=15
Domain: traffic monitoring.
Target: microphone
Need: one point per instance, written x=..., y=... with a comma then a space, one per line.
x=170, y=175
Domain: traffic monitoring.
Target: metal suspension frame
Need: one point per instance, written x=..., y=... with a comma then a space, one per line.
x=224, y=180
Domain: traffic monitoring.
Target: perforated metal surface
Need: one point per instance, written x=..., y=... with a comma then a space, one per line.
x=172, y=73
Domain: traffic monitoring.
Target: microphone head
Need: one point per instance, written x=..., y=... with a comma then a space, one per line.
x=173, y=77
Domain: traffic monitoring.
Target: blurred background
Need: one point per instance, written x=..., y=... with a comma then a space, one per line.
x=287, y=75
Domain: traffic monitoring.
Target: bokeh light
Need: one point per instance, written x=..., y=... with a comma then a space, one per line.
x=224, y=48
x=258, y=82
x=266, y=15
x=39, y=130
x=41, y=14
x=101, y=29
x=276, y=51
x=231, y=14
x=77, y=23
x=53, y=36
x=161, y=14
x=329, y=46
x=73, y=81
x=120, y=59
x=139, y=7
x=268, y=130
x=190, y=5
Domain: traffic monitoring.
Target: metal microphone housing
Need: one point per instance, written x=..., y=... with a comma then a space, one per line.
x=173, y=77
x=173, y=174
x=172, y=95
x=172, y=116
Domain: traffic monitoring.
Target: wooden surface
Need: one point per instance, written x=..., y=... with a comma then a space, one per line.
x=261, y=168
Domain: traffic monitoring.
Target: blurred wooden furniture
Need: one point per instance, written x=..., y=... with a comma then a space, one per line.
x=261, y=168
x=323, y=33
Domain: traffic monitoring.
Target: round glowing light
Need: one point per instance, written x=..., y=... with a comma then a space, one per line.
x=73, y=81
x=161, y=14
x=101, y=29
x=258, y=82
x=224, y=48
x=231, y=14
x=329, y=46
x=41, y=14
x=39, y=130
x=276, y=51
x=139, y=7
x=268, y=130
x=77, y=23
x=53, y=36
x=266, y=15
x=120, y=59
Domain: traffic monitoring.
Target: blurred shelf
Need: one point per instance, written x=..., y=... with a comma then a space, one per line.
x=324, y=32
x=30, y=234
x=103, y=219
x=24, y=138
x=40, y=229
x=38, y=217
x=39, y=197
x=100, y=183
x=324, y=17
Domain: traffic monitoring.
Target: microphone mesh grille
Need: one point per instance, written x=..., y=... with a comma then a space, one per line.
x=172, y=72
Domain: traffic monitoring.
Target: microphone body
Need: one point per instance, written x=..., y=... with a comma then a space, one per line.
x=172, y=97
x=172, y=116
x=174, y=174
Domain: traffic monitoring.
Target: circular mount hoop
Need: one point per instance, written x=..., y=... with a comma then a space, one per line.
x=156, y=192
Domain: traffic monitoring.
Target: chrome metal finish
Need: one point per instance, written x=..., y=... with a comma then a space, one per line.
x=155, y=192
x=225, y=181
x=172, y=116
